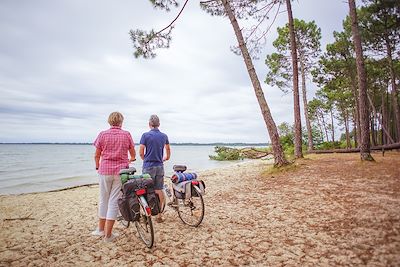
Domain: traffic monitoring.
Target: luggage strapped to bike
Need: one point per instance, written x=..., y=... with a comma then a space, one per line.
x=185, y=190
x=128, y=203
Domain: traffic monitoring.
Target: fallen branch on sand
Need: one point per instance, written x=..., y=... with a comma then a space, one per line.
x=252, y=153
x=20, y=218
x=355, y=150
x=230, y=153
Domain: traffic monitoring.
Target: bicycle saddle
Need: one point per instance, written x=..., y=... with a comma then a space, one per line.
x=179, y=168
x=129, y=171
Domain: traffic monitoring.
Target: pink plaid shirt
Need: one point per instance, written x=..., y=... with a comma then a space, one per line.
x=114, y=144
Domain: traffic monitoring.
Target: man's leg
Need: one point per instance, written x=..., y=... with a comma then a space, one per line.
x=157, y=174
x=159, y=185
x=162, y=200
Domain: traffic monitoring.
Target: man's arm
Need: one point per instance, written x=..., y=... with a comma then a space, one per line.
x=168, y=152
x=141, y=151
x=97, y=158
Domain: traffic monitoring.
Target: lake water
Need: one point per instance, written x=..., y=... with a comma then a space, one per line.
x=26, y=168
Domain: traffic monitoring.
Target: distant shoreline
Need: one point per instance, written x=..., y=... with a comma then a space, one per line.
x=173, y=144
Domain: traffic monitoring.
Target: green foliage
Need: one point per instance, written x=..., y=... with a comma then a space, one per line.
x=343, y=143
x=308, y=37
x=289, y=150
x=280, y=74
x=145, y=43
x=379, y=22
x=226, y=153
x=328, y=145
x=317, y=136
x=164, y=4
x=285, y=131
x=286, y=137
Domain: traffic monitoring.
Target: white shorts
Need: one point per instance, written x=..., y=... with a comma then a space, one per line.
x=110, y=191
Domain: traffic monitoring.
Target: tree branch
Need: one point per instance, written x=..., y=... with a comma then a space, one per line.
x=180, y=12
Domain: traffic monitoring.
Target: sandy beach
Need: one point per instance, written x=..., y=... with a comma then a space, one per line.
x=325, y=210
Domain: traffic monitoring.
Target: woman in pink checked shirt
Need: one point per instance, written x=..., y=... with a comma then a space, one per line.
x=112, y=147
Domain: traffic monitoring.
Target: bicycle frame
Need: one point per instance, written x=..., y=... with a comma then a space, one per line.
x=143, y=202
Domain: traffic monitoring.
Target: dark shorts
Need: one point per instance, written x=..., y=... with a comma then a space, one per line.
x=157, y=174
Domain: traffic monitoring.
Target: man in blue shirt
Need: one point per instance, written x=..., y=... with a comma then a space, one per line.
x=151, y=151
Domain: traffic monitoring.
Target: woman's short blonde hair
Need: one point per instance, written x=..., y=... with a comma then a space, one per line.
x=115, y=119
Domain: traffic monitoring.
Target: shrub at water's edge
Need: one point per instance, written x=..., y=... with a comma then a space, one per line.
x=226, y=153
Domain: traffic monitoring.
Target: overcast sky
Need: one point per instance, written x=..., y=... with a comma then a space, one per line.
x=66, y=64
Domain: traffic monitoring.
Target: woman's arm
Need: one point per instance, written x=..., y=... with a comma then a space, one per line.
x=132, y=152
x=97, y=156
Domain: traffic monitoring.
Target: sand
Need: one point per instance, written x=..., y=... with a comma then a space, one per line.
x=325, y=210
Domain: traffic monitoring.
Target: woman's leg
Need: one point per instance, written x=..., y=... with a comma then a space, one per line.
x=102, y=223
x=112, y=209
x=108, y=228
x=105, y=184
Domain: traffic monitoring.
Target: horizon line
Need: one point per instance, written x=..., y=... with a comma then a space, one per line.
x=175, y=143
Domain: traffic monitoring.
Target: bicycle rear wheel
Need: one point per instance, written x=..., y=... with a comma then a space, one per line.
x=191, y=211
x=144, y=226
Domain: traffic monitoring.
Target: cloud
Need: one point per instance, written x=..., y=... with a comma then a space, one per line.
x=65, y=65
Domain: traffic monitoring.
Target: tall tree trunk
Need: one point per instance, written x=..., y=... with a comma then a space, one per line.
x=320, y=127
x=373, y=133
x=372, y=117
x=324, y=125
x=346, y=126
x=279, y=156
x=394, y=90
x=381, y=133
x=333, y=127
x=296, y=99
x=365, y=150
x=357, y=108
x=391, y=119
x=355, y=132
x=385, y=120
x=305, y=104
x=384, y=129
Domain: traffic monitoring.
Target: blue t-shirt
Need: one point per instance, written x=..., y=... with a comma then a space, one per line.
x=154, y=141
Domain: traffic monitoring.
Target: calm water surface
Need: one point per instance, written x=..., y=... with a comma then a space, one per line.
x=28, y=168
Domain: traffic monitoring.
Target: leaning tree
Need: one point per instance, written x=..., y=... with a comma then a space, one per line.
x=249, y=44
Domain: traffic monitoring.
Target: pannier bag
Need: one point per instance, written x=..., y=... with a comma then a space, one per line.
x=131, y=186
x=129, y=208
x=179, y=177
x=186, y=190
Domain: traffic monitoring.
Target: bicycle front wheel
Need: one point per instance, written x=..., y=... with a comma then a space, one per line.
x=191, y=211
x=144, y=226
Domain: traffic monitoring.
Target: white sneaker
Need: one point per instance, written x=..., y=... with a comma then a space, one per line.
x=97, y=232
x=111, y=238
